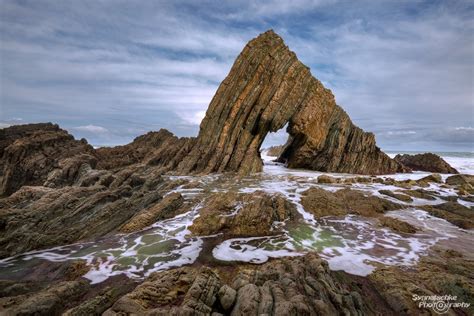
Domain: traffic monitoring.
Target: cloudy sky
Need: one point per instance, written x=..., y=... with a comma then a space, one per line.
x=112, y=70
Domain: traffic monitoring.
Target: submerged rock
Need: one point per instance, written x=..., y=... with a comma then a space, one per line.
x=398, y=196
x=454, y=213
x=425, y=162
x=326, y=179
x=164, y=209
x=420, y=194
x=397, y=225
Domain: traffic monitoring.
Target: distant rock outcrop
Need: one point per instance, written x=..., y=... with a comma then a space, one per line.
x=275, y=151
x=425, y=162
x=267, y=88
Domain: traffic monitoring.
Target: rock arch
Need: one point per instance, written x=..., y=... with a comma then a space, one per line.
x=266, y=88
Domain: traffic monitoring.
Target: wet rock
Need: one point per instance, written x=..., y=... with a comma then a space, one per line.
x=166, y=208
x=360, y=180
x=435, y=177
x=420, y=194
x=397, y=225
x=267, y=88
x=10, y=288
x=28, y=153
x=466, y=189
x=425, y=162
x=99, y=303
x=398, y=196
x=183, y=291
x=453, y=212
x=464, y=183
x=378, y=180
x=363, y=180
x=227, y=296
x=212, y=216
x=325, y=203
x=408, y=184
x=326, y=179
x=39, y=217
x=300, y=286
x=242, y=214
x=288, y=286
x=51, y=301
x=437, y=274
x=460, y=179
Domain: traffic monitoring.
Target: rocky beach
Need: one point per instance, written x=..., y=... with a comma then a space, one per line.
x=326, y=224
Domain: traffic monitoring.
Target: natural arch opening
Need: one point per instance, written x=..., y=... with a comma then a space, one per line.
x=273, y=145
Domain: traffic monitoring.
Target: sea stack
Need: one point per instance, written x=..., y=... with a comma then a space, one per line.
x=267, y=88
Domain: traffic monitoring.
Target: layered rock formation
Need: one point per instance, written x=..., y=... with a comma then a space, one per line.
x=267, y=88
x=60, y=190
x=160, y=148
x=290, y=286
x=29, y=152
x=425, y=162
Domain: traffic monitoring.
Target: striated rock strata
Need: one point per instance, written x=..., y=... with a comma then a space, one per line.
x=267, y=88
x=289, y=286
x=29, y=152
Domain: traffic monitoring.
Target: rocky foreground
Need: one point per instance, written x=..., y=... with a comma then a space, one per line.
x=184, y=226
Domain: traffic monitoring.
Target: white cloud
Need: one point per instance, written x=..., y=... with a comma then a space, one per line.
x=399, y=133
x=91, y=129
x=467, y=129
x=193, y=118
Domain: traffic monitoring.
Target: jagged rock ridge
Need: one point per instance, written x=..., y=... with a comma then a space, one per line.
x=266, y=88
